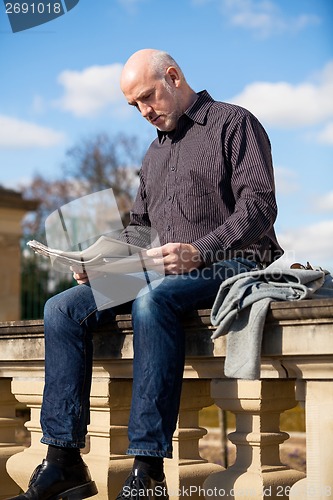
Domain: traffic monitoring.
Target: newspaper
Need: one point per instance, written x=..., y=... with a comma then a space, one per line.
x=105, y=254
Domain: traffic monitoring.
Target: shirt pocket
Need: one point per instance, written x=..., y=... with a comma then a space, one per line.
x=195, y=183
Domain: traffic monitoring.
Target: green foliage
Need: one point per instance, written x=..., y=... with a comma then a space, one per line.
x=39, y=283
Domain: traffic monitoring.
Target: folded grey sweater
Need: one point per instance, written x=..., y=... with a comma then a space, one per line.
x=241, y=305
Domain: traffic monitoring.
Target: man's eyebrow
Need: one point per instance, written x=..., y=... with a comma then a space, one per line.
x=142, y=94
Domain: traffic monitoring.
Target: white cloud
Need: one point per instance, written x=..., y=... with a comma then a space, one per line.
x=16, y=133
x=311, y=243
x=265, y=18
x=92, y=90
x=325, y=203
x=326, y=135
x=286, y=180
x=287, y=105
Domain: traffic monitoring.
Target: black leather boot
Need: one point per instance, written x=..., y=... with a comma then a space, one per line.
x=140, y=486
x=54, y=482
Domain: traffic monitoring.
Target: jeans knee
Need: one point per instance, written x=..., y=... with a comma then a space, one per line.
x=142, y=305
x=63, y=303
x=154, y=302
x=51, y=307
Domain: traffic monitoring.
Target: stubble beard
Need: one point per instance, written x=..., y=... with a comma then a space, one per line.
x=170, y=122
x=171, y=119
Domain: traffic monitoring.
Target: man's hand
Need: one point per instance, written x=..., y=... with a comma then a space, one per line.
x=80, y=276
x=177, y=258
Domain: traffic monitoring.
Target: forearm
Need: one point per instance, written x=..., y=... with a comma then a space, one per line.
x=251, y=220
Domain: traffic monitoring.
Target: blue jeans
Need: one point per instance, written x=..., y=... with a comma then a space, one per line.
x=159, y=353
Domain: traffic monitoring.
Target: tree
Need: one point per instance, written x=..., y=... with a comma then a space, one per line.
x=51, y=195
x=104, y=163
x=94, y=164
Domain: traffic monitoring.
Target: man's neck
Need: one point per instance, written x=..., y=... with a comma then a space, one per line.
x=190, y=100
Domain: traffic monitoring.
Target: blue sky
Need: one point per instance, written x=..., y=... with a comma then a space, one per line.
x=59, y=84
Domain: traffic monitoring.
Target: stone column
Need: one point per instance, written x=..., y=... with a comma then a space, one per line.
x=319, y=442
x=8, y=445
x=12, y=209
x=187, y=471
x=257, y=472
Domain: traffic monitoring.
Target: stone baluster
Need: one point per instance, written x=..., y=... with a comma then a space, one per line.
x=8, y=445
x=107, y=436
x=108, y=441
x=187, y=471
x=105, y=452
x=107, y=433
x=318, y=484
x=29, y=391
x=257, y=472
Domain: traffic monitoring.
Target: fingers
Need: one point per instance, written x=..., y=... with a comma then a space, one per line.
x=164, y=251
x=79, y=276
x=177, y=258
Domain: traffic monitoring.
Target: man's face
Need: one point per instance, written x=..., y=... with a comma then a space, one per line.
x=157, y=101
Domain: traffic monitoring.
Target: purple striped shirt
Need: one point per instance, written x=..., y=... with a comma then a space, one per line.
x=210, y=183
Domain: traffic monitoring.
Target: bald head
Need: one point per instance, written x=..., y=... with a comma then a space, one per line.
x=153, y=82
x=152, y=62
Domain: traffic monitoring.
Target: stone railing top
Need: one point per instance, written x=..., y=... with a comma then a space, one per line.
x=297, y=342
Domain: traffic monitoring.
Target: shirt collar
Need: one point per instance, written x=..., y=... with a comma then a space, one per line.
x=199, y=109
x=197, y=112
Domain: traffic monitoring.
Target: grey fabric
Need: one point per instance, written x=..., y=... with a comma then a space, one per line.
x=241, y=305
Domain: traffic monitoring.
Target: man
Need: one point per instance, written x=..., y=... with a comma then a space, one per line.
x=207, y=188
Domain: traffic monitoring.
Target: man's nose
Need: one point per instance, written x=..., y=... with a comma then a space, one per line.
x=145, y=109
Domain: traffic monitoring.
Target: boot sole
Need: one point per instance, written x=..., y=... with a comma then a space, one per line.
x=78, y=493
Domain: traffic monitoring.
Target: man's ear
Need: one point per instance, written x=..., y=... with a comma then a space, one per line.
x=173, y=75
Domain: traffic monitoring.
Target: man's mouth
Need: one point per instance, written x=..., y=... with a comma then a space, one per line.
x=155, y=120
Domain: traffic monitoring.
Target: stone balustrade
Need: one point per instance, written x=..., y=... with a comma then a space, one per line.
x=296, y=365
